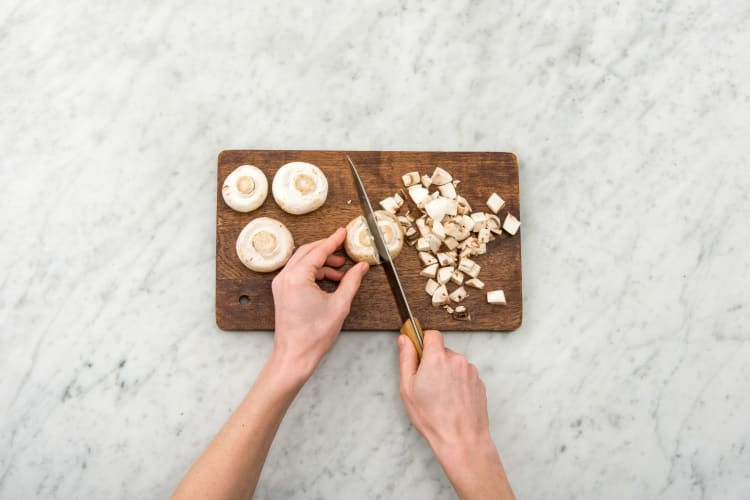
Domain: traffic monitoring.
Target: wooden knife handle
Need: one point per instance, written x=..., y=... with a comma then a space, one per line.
x=408, y=330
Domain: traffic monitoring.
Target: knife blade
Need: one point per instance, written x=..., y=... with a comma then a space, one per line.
x=411, y=327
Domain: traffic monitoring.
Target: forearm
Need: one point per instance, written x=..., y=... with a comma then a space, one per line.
x=232, y=463
x=474, y=469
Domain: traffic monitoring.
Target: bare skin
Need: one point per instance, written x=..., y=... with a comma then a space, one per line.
x=443, y=396
x=447, y=403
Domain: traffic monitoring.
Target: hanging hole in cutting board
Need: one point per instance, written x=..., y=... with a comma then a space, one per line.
x=244, y=299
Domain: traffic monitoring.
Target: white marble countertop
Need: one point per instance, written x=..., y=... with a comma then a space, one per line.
x=629, y=376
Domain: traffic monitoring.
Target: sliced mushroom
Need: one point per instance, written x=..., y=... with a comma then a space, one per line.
x=457, y=277
x=438, y=231
x=496, y=297
x=444, y=274
x=436, y=208
x=458, y=294
x=426, y=181
x=495, y=203
x=493, y=224
x=410, y=179
x=264, y=245
x=475, y=283
x=465, y=265
x=245, y=188
x=359, y=245
x=440, y=177
x=390, y=205
x=431, y=286
x=299, y=187
x=448, y=190
x=480, y=221
x=463, y=205
x=426, y=258
x=445, y=259
x=440, y=296
x=459, y=227
x=461, y=314
x=429, y=271
x=451, y=243
x=511, y=224
x=418, y=194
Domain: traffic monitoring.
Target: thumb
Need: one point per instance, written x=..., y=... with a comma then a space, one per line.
x=407, y=358
x=349, y=284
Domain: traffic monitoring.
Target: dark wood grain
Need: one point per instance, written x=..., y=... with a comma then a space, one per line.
x=374, y=307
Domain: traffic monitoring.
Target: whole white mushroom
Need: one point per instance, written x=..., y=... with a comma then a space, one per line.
x=299, y=187
x=264, y=245
x=359, y=245
x=245, y=188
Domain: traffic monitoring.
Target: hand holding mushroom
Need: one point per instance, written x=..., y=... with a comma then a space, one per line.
x=308, y=320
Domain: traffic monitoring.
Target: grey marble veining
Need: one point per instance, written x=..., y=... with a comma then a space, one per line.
x=629, y=376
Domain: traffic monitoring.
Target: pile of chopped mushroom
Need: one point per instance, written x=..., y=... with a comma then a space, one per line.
x=447, y=233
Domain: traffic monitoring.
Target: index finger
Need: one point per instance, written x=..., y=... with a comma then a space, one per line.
x=433, y=342
x=318, y=255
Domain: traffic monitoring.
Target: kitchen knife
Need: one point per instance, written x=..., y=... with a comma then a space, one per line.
x=411, y=327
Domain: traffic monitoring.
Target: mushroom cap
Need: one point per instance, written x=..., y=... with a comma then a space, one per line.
x=359, y=245
x=245, y=188
x=299, y=187
x=264, y=245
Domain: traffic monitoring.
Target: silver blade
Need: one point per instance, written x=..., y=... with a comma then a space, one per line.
x=385, y=256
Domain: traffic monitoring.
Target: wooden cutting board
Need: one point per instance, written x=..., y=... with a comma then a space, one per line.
x=243, y=297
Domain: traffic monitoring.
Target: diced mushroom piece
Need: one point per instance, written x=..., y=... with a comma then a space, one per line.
x=410, y=179
x=444, y=274
x=461, y=314
x=435, y=243
x=448, y=309
x=429, y=271
x=495, y=203
x=484, y=235
x=474, y=271
x=448, y=190
x=495, y=297
x=426, y=181
x=440, y=297
x=465, y=265
x=458, y=294
x=451, y=207
x=440, y=177
x=404, y=220
x=446, y=259
x=479, y=250
x=511, y=224
x=459, y=227
x=426, y=259
x=390, y=205
x=422, y=227
x=480, y=221
x=494, y=224
x=431, y=286
x=451, y=243
x=463, y=206
x=423, y=245
x=411, y=233
x=398, y=199
x=418, y=194
x=457, y=277
x=475, y=283
x=436, y=208
x=438, y=230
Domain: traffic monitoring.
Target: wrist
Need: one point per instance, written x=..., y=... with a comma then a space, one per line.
x=294, y=368
x=458, y=458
